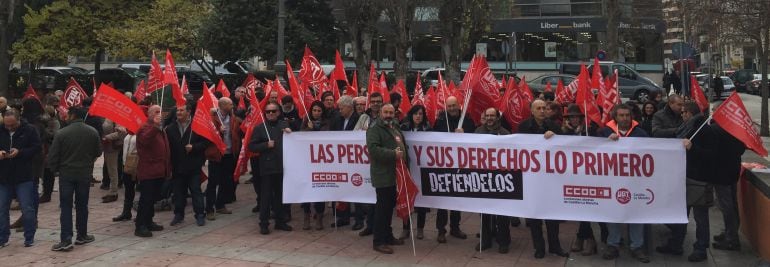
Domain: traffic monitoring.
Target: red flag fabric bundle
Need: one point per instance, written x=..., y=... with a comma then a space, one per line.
x=442, y=93
x=406, y=191
x=585, y=98
x=113, y=105
x=251, y=82
x=222, y=88
x=607, y=99
x=252, y=120
x=405, y=104
x=514, y=105
x=212, y=99
x=597, y=81
x=374, y=83
x=419, y=95
x=732, y=116
x=73, y=96
x=566, y=95
x=311, y=74
x=696, y=93
x=352, y=89
x=31, y=93
x=170, y=77
x=140, y=93
x=155, y=76
x=431, y=106
x=276, y=84
x=384, y=89
x=204, y=126
x=339, y=69
x=525, y=91
x=548, y=88
x=302, y=98
x=484, y=88
x=185, y=87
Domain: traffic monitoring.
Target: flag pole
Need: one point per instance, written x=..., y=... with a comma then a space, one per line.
x=699, y=128
x=465, y=106
x=409, y=209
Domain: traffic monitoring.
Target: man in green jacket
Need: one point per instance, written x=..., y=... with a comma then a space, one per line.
x=386, y=147
x=72, y=155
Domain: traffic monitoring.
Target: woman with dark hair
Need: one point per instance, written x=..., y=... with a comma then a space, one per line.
x=648, y=111
x=416, y=121
x=315, y=121
x=636, y=112
x=553, y=111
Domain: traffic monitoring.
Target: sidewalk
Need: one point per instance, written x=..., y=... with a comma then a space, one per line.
x=234, y=240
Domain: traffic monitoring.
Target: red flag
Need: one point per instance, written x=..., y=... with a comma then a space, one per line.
x=373, y=86
x=222, y=88
x=213, y=100
x=431, y=106
x=311, y=74
x=31, y=93
x=335, y=90
x=241, y=103
x=276, y=84
x=170, y=78
x=514, y=106
x=607, y=99
x=299, y=95
x=73, y=96
x=351, y=90
x=566, y=95
x=442, y=92
x=113, y=105
x=254, y=117
x=526, y=92
x=405, y=104
x=141, y=92
x=251, y=82
x=406, y=191
x=419, y=95
x=155, y=76
x=204, y=126
x=597, y=81
x=384, y=89
x=585, y=98
x=548, y=88
x=733, y=117
x=697, y=94
x=185, y=88
x=484, y=88
x=339, y=68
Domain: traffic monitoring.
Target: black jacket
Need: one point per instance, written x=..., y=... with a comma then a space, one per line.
x=183, y=163
x=701, y=157
x=728, y=157
x=665, y=123
x=529, y=126
x=292, y=118
x=441, y=124
x=26, y=139
x=338, y=122
x=270, y=159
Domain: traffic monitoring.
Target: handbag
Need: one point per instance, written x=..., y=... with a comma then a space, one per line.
x=131, y=162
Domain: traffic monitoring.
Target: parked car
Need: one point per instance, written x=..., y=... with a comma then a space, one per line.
x=753, y=86
x=45, y=78
x=145, y=67
x=195, y=80
x=228, y=67
x=741, y=78
x=632, y=84
x=538, y=84
x=124, y=79
x=431, y=75
x=728, y=85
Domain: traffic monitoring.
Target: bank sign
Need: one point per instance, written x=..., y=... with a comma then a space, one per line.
x=574, y=25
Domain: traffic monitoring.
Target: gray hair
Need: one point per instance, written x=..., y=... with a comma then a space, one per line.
x=346, y=101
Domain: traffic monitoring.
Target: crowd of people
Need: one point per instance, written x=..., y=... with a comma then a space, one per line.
x=164, y=158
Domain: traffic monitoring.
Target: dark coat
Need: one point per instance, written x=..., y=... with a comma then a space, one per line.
x=701, y=157
x=530, y=126
x=381, y=142
x=441, y=124
x=184, y=163
x=338, y=122
x=728, y=157
x=292, y=118
x=665, y=123
x=270, y=159
x=153, y=152
x=74, y=150
x=18, y=169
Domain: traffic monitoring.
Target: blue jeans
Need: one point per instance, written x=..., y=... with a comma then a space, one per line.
x=635, y=233
x=79, y=188
x=183, y=183
x=24, y=193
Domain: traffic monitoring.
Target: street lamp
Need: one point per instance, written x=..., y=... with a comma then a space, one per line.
x=280, y=65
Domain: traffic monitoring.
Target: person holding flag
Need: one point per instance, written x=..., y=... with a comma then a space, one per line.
x=416, y=121
x=386, y=147
x=153, y=168
x=266, y=140
x=187, y=158
x=345, y=121
x=622, y=125
x=221, y=187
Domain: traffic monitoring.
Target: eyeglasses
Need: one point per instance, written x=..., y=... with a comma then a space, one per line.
x=269, y=111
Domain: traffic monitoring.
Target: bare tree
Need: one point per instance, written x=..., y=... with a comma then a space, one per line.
x=361, y=18
x=460, y=23
x=400, y=15
x=749, y=19
x=9, y=22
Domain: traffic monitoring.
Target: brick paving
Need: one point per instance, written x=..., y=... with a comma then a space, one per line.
x=234, y=240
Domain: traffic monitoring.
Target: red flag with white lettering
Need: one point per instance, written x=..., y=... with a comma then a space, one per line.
x=484, y=87
x=170, y=78
x=608, y=97
x=155, y=76
x=222, y=88
x=113, y=105
x=406, y=191
x=299, y=94
x=141, y=92
x=585, y=97
x=697, y=94
x=514, y=105
x=311, y=74
x=405, y=104
x=203, y=125
x=251, y=82
x=384, y=89
x=73, y=96
x=419, y=95
x=732, y=116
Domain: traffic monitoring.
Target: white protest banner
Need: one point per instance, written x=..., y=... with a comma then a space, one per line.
x=633, y=180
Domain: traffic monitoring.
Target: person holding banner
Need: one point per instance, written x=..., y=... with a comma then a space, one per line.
x=345, y=121
x=494, y=225
x=701, y=144
x=539, y=123
x=267, y=140
x=366, y=120
x=153, y=168
x=666, y=121
x=386, y=147
x=187, y=158
x=416, y=121
x=447, y=122
x=315, y=122
x=622, y=125
x=73, y=152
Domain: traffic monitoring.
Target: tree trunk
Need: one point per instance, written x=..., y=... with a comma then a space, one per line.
x=6, y=29
x=764, y=46
x=613, y=18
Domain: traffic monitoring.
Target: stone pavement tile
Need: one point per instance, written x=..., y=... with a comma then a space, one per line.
x=445, y=260
x=189, y=248
x=490, y=263
x=212, y=239
x=114, y=229
x=285, y=244
x=337, y=261
x=156, y=258
x=239, y=263
x=190, y=260
x=177, y=235
x=117, y=241
x=21, y=258
x=55, y=261
x=152, y=244
x=93, y=263
x=224, y=251
x=253, y=241
x=238, y=229
x=301, y=259
x=320, y=249
x=261, y=255
x=398, y=257
x=119, y=256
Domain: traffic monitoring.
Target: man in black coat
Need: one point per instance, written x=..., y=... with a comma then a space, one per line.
x=267, y=140
x=346, y=120
x=187, y=158
x=448, y=122
x=540, y=124
x=728, y=156
x=666, y=121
